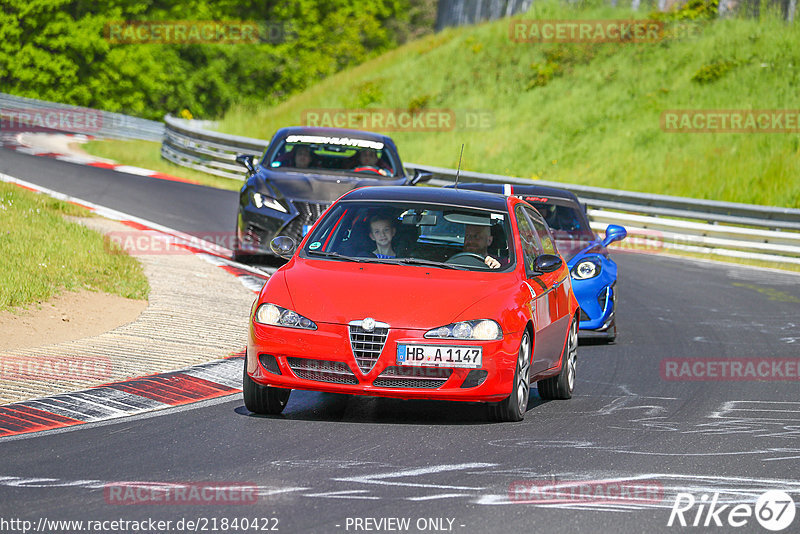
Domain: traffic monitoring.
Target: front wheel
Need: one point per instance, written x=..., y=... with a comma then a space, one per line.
x=562, y=385
x=513, y=407
x=266, y=400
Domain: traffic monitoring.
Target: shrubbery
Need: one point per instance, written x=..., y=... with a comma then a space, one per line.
x=56, y=50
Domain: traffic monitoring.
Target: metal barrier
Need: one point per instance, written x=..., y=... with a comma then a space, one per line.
x=192, y=146
x=104, y=123
x=702, y=226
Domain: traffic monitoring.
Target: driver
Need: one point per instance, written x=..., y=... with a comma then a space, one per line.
x=368, y=159
x=302, y=156
x=476, y=241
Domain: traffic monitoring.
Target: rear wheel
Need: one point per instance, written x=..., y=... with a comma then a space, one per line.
x=513, y=408
x=260, y=399
x=562, y=385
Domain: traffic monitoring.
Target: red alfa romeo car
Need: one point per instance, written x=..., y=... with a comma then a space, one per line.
x=417, y=293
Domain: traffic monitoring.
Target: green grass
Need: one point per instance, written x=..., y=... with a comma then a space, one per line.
x=147, y=155
x=42, y=254
x=584, y=114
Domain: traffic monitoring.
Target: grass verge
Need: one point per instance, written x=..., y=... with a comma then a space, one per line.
x=42, y=254
x=147, y=155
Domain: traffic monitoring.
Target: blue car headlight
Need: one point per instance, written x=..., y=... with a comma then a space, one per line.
x=481, y=329
x=273, y=315
x=586, y=269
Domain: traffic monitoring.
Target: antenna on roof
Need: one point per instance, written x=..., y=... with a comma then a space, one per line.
x=458, y=171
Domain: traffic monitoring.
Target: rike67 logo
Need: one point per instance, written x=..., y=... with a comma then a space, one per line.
x=774, y=510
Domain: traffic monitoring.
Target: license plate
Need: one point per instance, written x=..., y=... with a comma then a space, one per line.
x=439, y=356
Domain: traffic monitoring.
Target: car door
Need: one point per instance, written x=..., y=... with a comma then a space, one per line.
x=545, y=308
x=563, y=281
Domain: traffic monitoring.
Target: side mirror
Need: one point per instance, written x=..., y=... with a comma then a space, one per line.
x=247, y=161
x=547, y=263
x=420, y=176
x=283, y=246
x=614, y=232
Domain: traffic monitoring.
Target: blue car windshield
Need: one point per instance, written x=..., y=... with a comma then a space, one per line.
x=412, y=233
x=372, y=159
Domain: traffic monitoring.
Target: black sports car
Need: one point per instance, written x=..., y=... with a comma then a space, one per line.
x=301, y=173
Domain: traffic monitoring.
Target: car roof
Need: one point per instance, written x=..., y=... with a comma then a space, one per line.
x=332, y=132
x=534, y=190
x=434, y=195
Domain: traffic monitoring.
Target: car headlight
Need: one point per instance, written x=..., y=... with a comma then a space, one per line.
x=276, y=316
x=262, y=201
x=482, y=329
x=585, y=270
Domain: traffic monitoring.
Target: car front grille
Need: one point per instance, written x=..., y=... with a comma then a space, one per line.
x=412, y=377
x=308, y=213
x=367, y=345
x=322, y=370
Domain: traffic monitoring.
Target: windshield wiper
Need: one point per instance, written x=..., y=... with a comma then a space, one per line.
x=333, y=255
x=430, y=263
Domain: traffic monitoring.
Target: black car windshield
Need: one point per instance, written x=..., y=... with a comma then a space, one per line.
x=568, y=223
x=337, y=155
x=414, y=234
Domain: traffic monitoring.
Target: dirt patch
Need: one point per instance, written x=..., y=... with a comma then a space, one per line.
x=66, y=317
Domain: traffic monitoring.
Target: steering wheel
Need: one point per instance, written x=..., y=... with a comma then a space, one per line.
x=473, y=260
x=369, y=168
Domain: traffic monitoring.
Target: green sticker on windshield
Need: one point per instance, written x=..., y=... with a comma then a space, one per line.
x=315, y=245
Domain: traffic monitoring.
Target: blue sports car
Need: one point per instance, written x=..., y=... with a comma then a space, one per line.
x=594, y=273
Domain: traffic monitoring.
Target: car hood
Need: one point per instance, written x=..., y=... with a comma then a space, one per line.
x=320, y=187
x=402, y=296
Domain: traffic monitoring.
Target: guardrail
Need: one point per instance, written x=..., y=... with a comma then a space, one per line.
x=703, y=226
x=103, y=123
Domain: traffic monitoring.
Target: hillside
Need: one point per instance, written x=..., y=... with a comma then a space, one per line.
x=584, y=113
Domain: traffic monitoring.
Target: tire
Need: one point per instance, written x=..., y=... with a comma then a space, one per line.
x=562, y=385
x=611, y=333
x=260, y=399
x=513, y=408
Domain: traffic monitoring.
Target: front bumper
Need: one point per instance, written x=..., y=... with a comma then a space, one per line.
x=597, y=303
x=323, y=360
x=257, y=227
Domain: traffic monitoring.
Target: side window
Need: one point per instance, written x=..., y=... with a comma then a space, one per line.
x=530, y=245
x=548, y=245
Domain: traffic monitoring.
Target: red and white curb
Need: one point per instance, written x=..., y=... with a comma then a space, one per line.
x=143, y=394
x=121, y=399
x=12, y=142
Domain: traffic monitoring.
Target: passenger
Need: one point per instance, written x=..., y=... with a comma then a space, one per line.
x=302, y=156
x=476, y=241
x=381, y=231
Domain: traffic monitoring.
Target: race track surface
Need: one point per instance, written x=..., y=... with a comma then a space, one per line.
x=330, y=461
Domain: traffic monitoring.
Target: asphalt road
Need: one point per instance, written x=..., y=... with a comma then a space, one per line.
x=331, y=462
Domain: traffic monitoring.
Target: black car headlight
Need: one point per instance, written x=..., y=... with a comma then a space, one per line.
x=261, y=200
x=273, y=315
x=480, y=329
x=586, y=269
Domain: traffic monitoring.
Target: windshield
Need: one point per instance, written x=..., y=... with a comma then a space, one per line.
x=568, y=224
x=409, y=233
x=336, y=154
